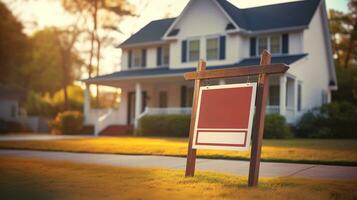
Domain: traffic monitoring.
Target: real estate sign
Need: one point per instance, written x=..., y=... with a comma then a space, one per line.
x=224, y=117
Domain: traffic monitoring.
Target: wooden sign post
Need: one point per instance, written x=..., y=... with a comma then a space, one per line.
x=262, y=71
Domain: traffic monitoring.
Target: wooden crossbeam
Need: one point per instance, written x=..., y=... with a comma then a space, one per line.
x=237, y=71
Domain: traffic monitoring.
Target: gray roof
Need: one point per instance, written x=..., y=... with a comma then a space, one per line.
x=152, y=32
x=164, y=71
x=277, y=16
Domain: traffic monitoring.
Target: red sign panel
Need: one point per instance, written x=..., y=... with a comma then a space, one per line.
x=225, y=117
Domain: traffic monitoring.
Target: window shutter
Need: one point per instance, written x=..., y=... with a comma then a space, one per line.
x=158, y=56
x=285, y=44
x=183, y=96
x=143, y=57
x=253, y=43
x=222, y=47
x=184, y=51
x=130, y=54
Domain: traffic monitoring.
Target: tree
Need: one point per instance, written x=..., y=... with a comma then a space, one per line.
x=44, y=72
x=65, y=40
x=14, y=48
x=109, y=11
x=343, y=28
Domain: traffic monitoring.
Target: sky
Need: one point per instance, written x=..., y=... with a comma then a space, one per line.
x=37, y=14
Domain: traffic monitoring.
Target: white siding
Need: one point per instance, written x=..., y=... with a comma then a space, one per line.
x=296, y=41
x=192, y=26
x=151, y=57
x=124, y=59
x=313, y=70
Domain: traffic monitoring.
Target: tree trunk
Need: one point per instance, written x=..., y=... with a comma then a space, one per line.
x=93, y=36
x=98, y=63
x=65, y=95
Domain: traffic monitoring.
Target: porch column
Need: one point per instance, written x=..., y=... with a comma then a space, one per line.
x=86, y=104
x=282, y=100
x=138, y=103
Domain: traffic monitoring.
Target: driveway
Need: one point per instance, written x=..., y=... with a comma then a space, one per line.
x=241, y=168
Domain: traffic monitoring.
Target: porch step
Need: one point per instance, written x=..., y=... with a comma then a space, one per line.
x=117, y=130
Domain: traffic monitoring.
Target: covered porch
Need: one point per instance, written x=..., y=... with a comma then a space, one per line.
x=171, y=94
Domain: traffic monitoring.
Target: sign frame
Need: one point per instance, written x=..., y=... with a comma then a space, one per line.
x=247, y=132
x=262, y=71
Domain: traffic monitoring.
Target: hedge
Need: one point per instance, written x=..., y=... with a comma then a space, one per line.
x=275, y=127
x=179, y=126
x=164, y=125
x=334, y=120
x=68, y=122
x=13, y=127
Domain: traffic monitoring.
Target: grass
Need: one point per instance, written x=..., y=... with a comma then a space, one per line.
x=24, y=178
x=339, y=152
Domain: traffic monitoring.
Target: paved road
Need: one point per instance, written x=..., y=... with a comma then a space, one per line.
x=268, y=169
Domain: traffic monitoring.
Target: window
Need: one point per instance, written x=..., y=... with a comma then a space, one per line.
x=274, y=95
x=275, y=45
x=299, y=90
x=137, y=58
x=212, y=48
x=262, y=44
x=271, y=43
x=165, y=55
x=163, y=99
x=189, y=96
x=193, y=50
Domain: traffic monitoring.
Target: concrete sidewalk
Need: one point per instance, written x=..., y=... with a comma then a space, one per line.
x=40, y=137
x=268, y=169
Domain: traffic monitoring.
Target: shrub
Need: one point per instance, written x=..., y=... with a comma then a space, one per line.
x=13, y=127
x=275, y=127
x=68, y=122
x=334, y=120
x=164, y=125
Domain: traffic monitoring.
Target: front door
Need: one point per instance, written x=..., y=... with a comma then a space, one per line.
x=131, y=106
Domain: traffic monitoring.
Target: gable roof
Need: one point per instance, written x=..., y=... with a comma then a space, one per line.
x=276, y=16
x=263, y=18
x=164, y=72
x=150, y=33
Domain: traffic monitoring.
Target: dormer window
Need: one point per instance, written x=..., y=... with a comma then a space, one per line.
x=271, y=43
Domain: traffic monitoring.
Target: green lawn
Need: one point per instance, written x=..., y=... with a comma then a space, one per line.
x=340, y=152
x=23, y=178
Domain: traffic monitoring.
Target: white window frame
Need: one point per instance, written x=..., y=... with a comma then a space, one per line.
x=188, y=49
x=133, y=59
x=268, y=44
x=218, y=46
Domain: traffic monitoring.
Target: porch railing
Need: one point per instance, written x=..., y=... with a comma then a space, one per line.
x=272, y=109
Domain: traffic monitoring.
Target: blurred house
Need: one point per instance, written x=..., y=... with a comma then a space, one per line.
x=13, y=117
x=10, y=99
x=155, y=58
